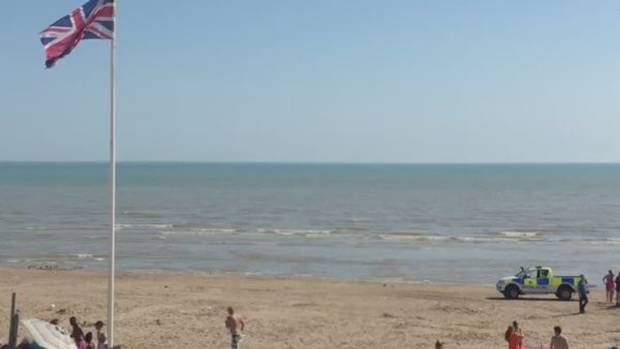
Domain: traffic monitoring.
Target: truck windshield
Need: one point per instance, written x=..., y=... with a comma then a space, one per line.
x=523, y=274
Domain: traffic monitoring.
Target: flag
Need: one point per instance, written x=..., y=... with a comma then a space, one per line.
x=94, y=20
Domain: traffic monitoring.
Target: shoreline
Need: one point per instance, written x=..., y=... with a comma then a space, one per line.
x=159, y=310
x=250, y=275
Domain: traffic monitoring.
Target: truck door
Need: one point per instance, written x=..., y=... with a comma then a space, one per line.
x=529, y=283
x=542, y=280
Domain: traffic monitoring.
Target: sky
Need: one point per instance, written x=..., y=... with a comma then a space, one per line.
x=320, y=81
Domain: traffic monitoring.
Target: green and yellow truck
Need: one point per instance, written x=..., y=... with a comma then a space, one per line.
x=538, y=281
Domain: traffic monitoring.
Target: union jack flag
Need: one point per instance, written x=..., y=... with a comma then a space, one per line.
x=94, y=20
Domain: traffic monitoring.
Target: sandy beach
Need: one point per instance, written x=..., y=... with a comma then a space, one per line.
x=158, y=310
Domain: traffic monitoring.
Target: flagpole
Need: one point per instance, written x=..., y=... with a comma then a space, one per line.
x=111, y=283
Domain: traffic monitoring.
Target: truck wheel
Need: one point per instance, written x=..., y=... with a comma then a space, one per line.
x=511, y=292
x=564, y=293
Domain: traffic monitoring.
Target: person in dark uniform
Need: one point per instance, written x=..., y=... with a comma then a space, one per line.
x=582, y=290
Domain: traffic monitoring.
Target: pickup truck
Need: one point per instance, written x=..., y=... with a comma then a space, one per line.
x=538, y=280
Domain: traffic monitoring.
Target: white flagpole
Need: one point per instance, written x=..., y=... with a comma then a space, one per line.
x=111, y=291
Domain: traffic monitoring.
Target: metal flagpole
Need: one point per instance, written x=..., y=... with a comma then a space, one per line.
x=111, y=301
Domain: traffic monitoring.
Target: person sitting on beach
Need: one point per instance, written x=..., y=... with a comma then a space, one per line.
x=515, y=341
x=438, y=345
x=558, y=341
x=610, y=285
x=76, y=331
x=235, y=325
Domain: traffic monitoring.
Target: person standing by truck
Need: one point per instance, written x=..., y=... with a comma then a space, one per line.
x=610, y=285
x=582, y=289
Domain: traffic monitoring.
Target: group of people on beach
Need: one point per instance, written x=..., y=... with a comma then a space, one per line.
x=82, y=341
x=514, y=334
x=612, y=285
x=88, y=341
x=234, y=324
x=514, y=337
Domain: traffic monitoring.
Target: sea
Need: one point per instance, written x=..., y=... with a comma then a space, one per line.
x=386, y=222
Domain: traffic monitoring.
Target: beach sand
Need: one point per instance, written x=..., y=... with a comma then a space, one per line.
x=164, y=310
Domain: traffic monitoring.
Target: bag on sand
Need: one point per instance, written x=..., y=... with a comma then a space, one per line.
x=508, y=334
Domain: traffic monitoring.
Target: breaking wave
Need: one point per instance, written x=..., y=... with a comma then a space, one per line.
x=200, y=232
x=143, y=226
x=308, y=233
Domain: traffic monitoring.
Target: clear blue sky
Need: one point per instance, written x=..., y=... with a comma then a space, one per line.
x=320, y=81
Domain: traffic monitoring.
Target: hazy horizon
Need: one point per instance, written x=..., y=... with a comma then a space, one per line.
x=232, y=162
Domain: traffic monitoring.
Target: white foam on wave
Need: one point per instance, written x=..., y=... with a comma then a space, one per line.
x=481, y=239
x=308, y=233
x=418, y=237
x=198, y=232
x=519, y=234
x=604, y=241
x=143, y=226
x=413, y=237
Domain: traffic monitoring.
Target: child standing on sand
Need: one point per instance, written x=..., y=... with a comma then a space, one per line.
x=558, y=341
x=88, y=339
x=100, y=336
x=235, y=325
x=610, y=285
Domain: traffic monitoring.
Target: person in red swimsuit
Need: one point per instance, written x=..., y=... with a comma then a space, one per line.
x=516, y=337
x=610, y=285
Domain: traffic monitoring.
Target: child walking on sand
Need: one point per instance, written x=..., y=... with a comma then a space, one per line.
x=235, y=325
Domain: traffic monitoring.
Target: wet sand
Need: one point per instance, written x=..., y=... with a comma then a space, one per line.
x=162, y=310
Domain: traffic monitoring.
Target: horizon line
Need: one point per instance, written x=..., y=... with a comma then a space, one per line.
x=307, y=162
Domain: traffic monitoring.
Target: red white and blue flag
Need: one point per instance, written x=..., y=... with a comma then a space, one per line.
x=94, y=20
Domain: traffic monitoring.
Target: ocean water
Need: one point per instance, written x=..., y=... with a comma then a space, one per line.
x=471, y=223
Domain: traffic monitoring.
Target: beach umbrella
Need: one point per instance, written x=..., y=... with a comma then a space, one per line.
x=48, y=336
